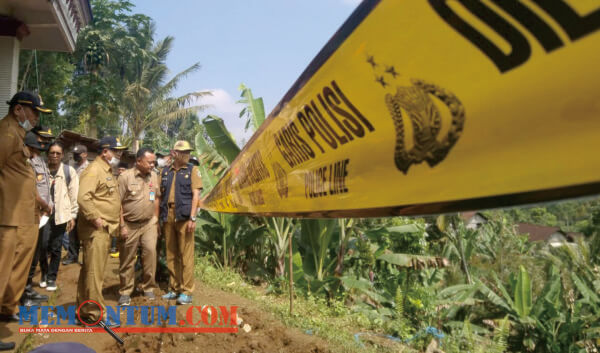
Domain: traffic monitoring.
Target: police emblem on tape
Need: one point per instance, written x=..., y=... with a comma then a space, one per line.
x=281, y=179
x=415, y=102
x=426, y=122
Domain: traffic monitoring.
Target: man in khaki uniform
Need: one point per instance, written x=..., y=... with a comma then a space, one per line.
x=98, y=220
x=180, y=186
x=18, y=223
x=139, y=189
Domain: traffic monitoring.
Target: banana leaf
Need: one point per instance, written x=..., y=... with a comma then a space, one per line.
x=254, y=107
x=220, y=136
x=523, y=293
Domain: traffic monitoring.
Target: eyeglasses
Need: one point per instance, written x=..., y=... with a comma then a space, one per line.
x=55, y=153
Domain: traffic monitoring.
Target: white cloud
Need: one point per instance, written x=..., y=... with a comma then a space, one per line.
x=223, y=105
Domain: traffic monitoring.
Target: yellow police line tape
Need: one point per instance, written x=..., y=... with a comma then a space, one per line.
x=419, y=107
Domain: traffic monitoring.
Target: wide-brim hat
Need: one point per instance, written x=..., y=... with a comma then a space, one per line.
x=182, y=146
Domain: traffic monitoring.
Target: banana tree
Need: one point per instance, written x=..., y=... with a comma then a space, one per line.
x=280, y=230
x=230, y=230
x=558, y=320
x=461, y=241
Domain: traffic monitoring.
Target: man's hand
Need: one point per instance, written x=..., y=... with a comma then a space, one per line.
x=70, y=225
x=47, y=209
x=124, y=231
x=98, y=223
x=191, y=226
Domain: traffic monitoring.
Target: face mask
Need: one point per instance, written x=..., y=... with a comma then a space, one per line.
x=161, y=162
x=26, y=125
x=114, y=162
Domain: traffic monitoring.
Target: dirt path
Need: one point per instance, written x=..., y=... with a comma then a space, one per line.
x=267, y=334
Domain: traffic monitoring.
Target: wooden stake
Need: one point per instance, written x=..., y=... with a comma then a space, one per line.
x=291, y=276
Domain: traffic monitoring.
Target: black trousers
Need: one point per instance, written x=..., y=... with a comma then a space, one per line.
x=73, y=244
x=55, y=236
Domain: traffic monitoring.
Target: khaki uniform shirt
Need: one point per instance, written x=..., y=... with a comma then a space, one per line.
x=17, y=179
x=196, y=181
x=135, y=191
x=42, y=179
x=98, y=195
x=82, y=167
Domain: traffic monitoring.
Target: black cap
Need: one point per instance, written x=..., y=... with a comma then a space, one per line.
x=43, y=131
x=32, y=140
x=112, y=143
x=194, y=161
x=31, y=99
x=80, y=149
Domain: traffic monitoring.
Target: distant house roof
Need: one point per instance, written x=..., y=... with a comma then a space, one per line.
x=467, y=216
x=70, y=138
x=538, y=232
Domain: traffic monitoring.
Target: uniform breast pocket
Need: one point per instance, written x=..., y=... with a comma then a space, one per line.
x=108, y=186
x=185, y=188
x=134, y=190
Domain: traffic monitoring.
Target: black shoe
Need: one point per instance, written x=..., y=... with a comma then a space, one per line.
x=69, y=261
x=36, y=296
x=9, y=318
x=7, y=346
x=28, y=302
x=51, y=286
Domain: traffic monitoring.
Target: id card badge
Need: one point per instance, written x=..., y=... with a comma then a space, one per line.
x=152, y=195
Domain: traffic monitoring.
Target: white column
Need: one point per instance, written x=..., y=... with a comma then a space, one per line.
x=9, y=70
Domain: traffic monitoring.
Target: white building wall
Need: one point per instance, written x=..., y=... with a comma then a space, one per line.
x=476, y=222
x=9, y=70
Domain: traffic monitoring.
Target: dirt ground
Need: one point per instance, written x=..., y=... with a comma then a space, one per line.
x=266, y=335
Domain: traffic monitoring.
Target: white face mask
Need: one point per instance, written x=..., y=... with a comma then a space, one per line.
x=114, y=162
x=26, y=125
x=161, y=162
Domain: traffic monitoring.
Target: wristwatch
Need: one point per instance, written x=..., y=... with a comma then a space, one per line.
x=193, y=218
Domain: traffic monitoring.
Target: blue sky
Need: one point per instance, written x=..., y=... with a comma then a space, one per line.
x=265, y=44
